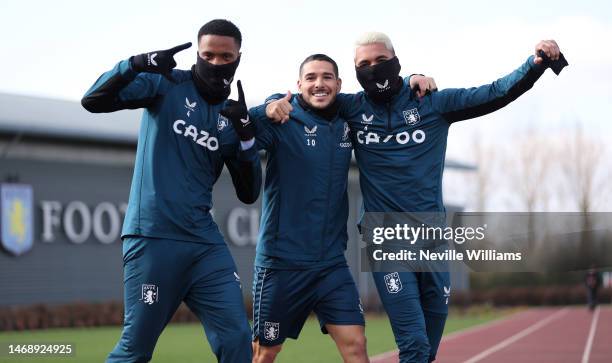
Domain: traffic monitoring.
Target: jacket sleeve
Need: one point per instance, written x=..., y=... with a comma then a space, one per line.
x=245, y=170
x=349, y=105
x=244, y=166
x=265, y=136
x=122, y=88
x=457, y=104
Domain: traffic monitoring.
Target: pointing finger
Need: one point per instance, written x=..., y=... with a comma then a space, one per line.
x=240, y=93
x=179, y=48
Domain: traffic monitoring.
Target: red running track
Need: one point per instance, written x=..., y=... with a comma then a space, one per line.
x=547, y=335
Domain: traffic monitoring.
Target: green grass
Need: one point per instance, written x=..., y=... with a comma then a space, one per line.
x=186, y=342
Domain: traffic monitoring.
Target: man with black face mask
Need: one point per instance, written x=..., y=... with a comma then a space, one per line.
x=381, y=81
x=172, y=248
x=400, y=147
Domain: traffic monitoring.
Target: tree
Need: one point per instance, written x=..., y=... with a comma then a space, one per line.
x=582, y=164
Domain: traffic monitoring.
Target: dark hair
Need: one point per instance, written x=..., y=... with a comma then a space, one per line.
x=319, y=57
x=221, y=27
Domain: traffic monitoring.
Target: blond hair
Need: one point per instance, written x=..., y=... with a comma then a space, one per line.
x=375, y=37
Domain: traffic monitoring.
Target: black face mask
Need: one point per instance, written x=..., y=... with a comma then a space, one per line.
x=213, y=81
x=382, y=81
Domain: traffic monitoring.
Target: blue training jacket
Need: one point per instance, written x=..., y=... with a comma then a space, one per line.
x=400, y=146
x=183, y=143
x=305, y=201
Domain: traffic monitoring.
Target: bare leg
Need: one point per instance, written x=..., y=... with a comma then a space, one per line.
x=351, y=342
x=265, y=354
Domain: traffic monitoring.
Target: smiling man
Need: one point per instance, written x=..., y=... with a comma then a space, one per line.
x=400, y=146
x=172, y=248
x=300, y=265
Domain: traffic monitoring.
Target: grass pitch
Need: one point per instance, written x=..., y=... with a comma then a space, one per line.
x=186, y=342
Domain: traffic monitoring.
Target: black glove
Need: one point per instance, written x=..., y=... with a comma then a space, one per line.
x=557, y=65
x=159, y=61
x=237, y=113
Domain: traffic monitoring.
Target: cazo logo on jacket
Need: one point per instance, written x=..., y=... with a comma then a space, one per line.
x=368, y=137
x=200, y=137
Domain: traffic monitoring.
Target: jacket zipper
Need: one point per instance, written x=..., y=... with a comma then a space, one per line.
x=389, y=129
x=329, y=182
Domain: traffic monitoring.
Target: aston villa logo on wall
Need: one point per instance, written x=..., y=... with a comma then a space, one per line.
x=16, y=204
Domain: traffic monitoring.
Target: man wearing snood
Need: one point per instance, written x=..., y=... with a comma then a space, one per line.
x=400, y=148
x=172, y=248
x=400, y=145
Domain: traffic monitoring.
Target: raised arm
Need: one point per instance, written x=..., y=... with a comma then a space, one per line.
x=457, y=104
x=132, y=83
x=239, y=151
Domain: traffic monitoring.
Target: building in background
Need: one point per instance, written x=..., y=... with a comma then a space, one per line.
x=65, y=178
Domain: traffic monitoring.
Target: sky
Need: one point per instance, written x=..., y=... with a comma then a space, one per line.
x=57, y=49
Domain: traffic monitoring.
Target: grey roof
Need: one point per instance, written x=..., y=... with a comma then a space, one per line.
x=459, y=165
x=65, y=119
x=68, y=120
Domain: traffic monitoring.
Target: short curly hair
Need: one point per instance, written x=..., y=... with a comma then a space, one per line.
x=221, y=27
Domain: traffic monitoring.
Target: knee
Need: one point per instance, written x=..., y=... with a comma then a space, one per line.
x=236, y=339
x=415, y=348
x=263, y=354
x=133, y=347
x=356, y=346
x=129, y=354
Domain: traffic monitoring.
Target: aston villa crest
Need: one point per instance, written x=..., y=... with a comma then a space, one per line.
x=271, y=330
x=411, y=116
x=150, y=294
x=394, y=284
x=17, y=217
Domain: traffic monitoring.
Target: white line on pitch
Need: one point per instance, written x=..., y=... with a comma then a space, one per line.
x=589, y=343
x=523, y=333
x=483, y=326
x=457, y=334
